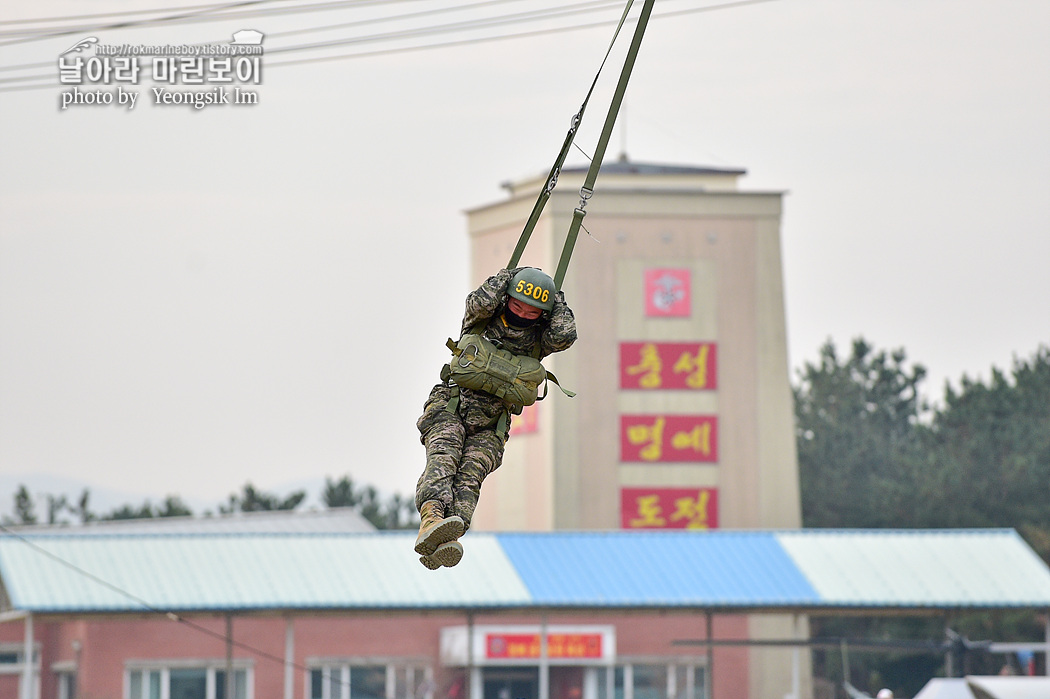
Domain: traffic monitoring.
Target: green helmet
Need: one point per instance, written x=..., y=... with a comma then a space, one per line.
x=533, y=287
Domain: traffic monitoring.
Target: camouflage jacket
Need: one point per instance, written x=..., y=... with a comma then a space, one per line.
x=484, y=306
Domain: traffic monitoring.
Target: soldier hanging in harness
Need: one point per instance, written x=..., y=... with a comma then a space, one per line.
x=517, y=317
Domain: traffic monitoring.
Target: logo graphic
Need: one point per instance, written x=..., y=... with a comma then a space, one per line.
x=86, y=42
x=667, y=293
x=192, y=75
x=247, y=37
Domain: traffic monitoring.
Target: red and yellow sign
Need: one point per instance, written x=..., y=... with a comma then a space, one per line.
x=675, y=438
x=669, y=508
x=524, y=645
x=668, y=293
x=668, y=365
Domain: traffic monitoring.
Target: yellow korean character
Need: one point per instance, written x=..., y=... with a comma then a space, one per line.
x=649, y=512
x=694, y=366
x=693, y=511
x=698, y=439
x=653, y=434
x=649, y=366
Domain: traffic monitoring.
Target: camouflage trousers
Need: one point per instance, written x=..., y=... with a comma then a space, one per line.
x=462, y=449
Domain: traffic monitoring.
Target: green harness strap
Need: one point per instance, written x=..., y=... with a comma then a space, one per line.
x=503, y=424
x=552, y=177
x=587, y=191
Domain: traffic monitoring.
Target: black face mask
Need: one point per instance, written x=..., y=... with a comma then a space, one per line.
x=517, y=321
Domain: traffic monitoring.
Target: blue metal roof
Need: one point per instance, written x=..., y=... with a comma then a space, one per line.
x=720, y=570
x=661, y=568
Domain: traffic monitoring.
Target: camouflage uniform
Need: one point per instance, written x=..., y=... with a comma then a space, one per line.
x=463, y=448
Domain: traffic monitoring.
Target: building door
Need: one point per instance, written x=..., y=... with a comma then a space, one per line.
x=566, y=682
x=511, y=683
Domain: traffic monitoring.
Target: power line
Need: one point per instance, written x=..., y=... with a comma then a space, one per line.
x=515, y=18
x=327, y=27
x=428, y=46
x=538, y=32
x=100, y=15
x=50, y=34
x=392, y=18
x=202, y=15
x=531, y=16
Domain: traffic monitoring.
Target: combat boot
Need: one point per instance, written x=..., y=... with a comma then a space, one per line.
x=436, y=529
x=446, y=555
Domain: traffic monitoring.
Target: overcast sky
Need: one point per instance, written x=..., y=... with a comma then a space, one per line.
x=193, y=299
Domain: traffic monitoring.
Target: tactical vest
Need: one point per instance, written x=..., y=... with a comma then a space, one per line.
x=479, y=365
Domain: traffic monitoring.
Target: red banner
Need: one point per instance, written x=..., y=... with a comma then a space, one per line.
x=676, y=438
x=668, y=365
x=669, y=508
x=668, y=293
x=517, y=646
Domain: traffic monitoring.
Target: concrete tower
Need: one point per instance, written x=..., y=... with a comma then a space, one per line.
x=683, y=417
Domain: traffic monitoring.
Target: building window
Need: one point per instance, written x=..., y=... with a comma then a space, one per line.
x=345, y=680
x=649, y=680
x=186, y=682
x=67, y=685
x=13, y=654
x=610, y=683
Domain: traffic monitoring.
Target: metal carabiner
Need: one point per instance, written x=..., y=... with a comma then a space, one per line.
x=464, y=353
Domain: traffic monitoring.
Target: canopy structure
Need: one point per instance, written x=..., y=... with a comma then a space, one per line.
x=804, y=571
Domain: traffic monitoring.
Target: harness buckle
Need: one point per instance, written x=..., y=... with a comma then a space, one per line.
x=585, y=195
x=472, y=357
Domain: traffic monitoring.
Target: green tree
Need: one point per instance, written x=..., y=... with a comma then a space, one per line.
x=988, y=453
x=55, y=505
x=857, y=422
x=252, y=500
x=144, y=511
x=173, y=506
x=401, y=513
x=83, y=509
x=340, y=493
x=871, y=454
x=394, y=513
x=24, y=508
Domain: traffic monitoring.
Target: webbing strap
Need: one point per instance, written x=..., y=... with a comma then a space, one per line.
x=503, y=425
x=552, y=177
x=453, y=401
x=552, y=377
x=603, y=141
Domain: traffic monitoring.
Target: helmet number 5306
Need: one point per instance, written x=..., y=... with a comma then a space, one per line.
x=531, y=290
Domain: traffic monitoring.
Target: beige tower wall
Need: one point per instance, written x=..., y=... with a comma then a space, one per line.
x=570, y=467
